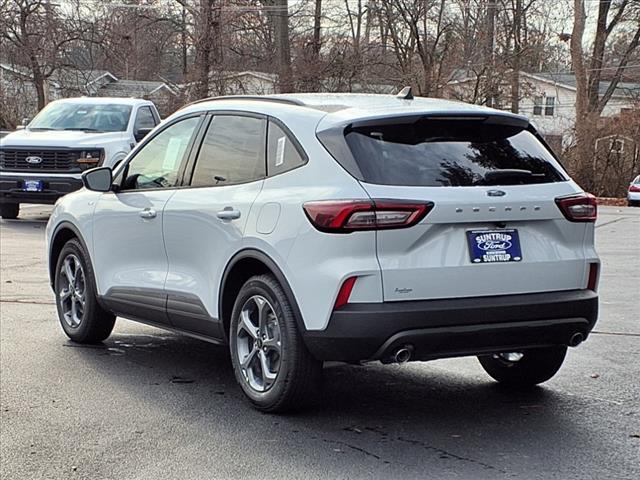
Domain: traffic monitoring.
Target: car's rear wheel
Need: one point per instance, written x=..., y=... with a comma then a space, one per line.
x=81, y=317
x=526, y=368
x=9, y=210
x=270, y=361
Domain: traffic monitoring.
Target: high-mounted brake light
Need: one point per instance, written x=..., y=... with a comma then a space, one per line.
x=579, y=208
x=344, y=216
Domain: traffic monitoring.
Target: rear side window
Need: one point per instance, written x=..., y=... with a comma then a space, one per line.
x=232, y=152
x=282, y=154
x=452, y=153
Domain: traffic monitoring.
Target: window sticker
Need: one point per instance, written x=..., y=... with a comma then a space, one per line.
x=280, y=151
x=173, y=153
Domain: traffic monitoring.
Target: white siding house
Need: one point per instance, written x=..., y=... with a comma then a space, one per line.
x=549, y=99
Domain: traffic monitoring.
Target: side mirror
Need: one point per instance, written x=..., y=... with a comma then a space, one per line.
x=25, y=121
x=141, y=133
x=98, y=179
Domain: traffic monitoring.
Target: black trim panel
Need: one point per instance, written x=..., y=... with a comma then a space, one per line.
x=137, y=303
x=181, y=311
x=273, y=267
x=453, y=327
x=186, y=311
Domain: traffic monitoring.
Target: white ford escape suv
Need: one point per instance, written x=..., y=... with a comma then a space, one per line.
x=304, y=228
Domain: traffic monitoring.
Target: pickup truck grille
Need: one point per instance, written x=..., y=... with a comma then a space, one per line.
x=59, y=160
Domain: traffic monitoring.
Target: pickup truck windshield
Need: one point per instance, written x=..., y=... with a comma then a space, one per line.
x=85, y=117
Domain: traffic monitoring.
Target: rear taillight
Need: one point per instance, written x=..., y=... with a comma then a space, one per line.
x=592, y=282
x=345, y=292
x=344, y=216
x=634, y=188
x=579, y=208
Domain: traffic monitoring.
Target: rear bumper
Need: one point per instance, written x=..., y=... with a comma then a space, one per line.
x=11, y=188
x=454, y=327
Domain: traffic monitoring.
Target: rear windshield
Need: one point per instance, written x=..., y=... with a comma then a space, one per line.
x=450, y=153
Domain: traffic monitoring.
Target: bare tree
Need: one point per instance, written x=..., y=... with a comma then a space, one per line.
x=589, y=102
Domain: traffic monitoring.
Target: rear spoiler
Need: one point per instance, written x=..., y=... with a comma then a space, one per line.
x=485, y=118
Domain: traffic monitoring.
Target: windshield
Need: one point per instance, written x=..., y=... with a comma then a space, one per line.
x=450, y=153
x=85, y=117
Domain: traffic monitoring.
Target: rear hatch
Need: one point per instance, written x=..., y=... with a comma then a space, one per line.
x=495, y=227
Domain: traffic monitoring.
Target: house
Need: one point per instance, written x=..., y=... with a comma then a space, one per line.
x=18, y=96
x=549, y=99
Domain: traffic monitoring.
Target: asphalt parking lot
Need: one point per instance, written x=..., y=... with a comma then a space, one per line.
x=149, y=404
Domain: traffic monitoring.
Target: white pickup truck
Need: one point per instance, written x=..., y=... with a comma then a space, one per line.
x=45, y=160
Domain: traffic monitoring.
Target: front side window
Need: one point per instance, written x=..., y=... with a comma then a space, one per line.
x=157, y=164
x=144, y=119
x=282, y=154
x=232, y=152
x=85, y=117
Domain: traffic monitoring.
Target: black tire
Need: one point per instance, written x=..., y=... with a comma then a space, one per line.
x=95, y=323
x=633, y=203
x=9, y=210
x=298, y=378
x=536, y=366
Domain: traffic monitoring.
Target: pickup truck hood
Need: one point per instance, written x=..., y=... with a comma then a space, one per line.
x=60, y=138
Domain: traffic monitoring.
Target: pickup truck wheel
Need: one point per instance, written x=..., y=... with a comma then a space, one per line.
x=271, y=363
x=526, y=368
x=81, y=317
x=9, y=210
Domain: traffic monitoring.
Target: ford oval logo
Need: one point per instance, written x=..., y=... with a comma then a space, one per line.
x=496, y=193
x=33, y=160
x=494, y=241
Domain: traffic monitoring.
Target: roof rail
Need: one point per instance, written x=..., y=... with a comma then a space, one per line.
x=258, y=98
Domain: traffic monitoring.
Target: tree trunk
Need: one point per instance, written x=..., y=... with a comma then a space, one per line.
x=489, y=50
x=517, y=55
x=317, y=21
x=584, y=149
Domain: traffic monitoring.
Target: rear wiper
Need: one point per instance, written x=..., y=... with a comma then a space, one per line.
x=513, y=174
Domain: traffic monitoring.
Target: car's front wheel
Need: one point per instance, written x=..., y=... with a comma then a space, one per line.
x=9, y=210
x=270, y=361
x=526, y=368
x=81, y=317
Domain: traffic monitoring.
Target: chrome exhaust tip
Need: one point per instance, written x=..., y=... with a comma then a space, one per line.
x=403, y=354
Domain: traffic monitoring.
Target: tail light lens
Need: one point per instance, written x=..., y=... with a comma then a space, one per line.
x=579, y=208
x=344, y=216
x=634, y=188
x=345, y=292
x=592, y=283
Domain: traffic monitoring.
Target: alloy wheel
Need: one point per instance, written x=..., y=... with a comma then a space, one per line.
x=258, y=343
x=72, y=291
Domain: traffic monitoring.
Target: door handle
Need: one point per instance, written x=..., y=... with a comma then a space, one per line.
x=147, y=213
x=228, y=214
